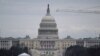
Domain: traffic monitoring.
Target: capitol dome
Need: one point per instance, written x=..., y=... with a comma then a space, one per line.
x=48, y=27
x=48, y=19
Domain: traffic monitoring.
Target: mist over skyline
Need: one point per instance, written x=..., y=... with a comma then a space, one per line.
x=19, y=18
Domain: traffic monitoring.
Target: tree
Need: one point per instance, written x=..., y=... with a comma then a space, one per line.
x=13, y=51
x=76, y=51
x=94, y=50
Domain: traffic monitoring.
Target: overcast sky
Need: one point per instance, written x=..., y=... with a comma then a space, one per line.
x=19, y=18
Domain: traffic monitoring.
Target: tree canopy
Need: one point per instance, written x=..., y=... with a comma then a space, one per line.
x=82, y=51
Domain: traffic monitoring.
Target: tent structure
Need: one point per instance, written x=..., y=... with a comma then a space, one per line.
x=23, y=54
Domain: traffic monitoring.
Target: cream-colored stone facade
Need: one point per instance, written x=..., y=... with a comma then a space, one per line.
x=27, y=43
x=5, y=44
x=47, y=47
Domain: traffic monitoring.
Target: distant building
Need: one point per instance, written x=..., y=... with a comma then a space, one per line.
x=91, y=42
x=88, y=42
x=80, y=42
x=7, y=43
x=29, y=43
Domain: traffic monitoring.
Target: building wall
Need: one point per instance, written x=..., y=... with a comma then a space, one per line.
x=54, y=47
x=91, y=42
x=5, y=44
x=88, y=42
x=26, y=43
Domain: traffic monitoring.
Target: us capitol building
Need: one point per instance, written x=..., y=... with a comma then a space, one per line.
x=48, y=43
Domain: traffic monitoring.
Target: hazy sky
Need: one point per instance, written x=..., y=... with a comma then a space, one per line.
x=19, y=18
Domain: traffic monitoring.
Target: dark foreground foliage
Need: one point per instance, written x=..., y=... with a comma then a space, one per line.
x=82, y=51
x=13, y=51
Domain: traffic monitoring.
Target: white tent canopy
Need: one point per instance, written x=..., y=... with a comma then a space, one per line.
x=23, y=54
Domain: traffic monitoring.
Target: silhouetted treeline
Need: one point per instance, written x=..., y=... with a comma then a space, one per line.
x=82, y=51
x=13, y=51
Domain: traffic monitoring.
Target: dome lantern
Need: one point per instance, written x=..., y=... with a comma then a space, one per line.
x=48, y=11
